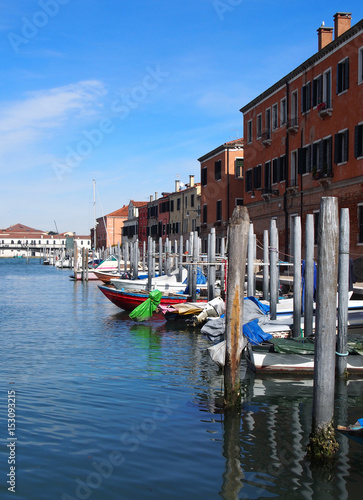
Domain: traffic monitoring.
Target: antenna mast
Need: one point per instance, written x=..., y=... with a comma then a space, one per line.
x=94, y=214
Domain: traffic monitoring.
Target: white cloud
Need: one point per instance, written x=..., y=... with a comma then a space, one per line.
x=41, y=113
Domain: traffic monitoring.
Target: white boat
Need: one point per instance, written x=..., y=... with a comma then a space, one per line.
x=163, y=283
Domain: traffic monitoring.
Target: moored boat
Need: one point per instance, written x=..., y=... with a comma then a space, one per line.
x=129, y=299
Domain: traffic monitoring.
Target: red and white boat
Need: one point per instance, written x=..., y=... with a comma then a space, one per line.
x=130, y=299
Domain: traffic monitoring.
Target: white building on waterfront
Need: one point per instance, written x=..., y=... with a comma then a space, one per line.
x=23, y=241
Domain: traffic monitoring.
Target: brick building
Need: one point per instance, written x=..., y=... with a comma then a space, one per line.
x=304, y=138
x=221, y=188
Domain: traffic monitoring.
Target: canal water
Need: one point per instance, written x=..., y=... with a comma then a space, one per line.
x=109, y=409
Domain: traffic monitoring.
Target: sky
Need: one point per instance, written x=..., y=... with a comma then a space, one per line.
x=131, y=94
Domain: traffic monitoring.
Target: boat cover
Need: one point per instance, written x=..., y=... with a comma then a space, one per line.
x=145, y=310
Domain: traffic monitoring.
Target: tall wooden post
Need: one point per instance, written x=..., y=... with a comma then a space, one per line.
x=118, y=258
x=309, y=276
x=266, y=265
x=149, y=262
x=250, y=262
x=343, y=280
x=296, y=329
x=212, y=259
x=143, y=255
x=322, y=445
x=180, y=258
x=235, y=341
x=273, y=269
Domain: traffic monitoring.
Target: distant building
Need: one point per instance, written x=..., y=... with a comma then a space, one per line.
x=130, y=230
x=221, y=175
x=21, y=241
x=109, y=228
x=304, y=138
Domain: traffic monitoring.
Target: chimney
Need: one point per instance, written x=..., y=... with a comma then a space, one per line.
x=156, y=195
x=177, y=186
x=325, y=36
x=151, y=197
x=342, y=23
x=191, y=181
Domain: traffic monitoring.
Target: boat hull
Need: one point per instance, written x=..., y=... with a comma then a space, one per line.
x=128, y=300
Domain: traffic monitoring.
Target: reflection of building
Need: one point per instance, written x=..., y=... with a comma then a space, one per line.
x=130, y=230
x=222, y=188
x=304, y=138
x=21, y=241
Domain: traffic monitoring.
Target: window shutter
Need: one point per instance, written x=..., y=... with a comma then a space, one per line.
x=321, y=155
x=278, y=173
x=336, y=148
x=300, y=159
x=338, y=78
x=356, y=141
x=308, y=96
x=346, y=83
x=346, y=145
x=329, y=153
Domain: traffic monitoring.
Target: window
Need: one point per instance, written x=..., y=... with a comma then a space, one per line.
x=275, y=118
x=219, y=210
x=186, y=202
x=205, y=213
x=171, y=205
x=304, y=159
x=249, y=131
x=360, y=223
x=343, y=75
x=293, y=169
x=178, y=204
x=283, y=114
x=360, y=65
x=257, y=176
x=259, y=126
x=267, y=134
x=267, y=174
x=327, y=88
x=341, y=147
x=322, y=157
x=275, y=172
x=203, y=175
x=248, y=184
x=294, y=114
x=317, y=96
x=192, y=196
x=282, y=168
x=358, y=141
x=239, y=168
x=239, y=201
x=306, y=97
x=218, y=170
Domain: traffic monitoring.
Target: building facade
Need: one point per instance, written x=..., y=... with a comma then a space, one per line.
x=304, y=138
x=221, y=188
x=109, y=228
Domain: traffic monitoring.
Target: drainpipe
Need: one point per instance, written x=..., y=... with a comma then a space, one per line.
x=228, y=215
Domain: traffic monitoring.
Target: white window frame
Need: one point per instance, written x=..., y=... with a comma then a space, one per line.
x=259, y=128
x=325, y=90
x=283, y=112
x=360, y=65
x=249, y=132
x=275, y=117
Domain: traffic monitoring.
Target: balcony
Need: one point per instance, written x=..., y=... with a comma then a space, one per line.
x=293, y=126
x=323, y=176
x=266, y=139
x=324, y=110
x=292, y=186
x=268, y=193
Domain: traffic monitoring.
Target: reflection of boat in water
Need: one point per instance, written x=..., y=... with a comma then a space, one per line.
x=354, y=431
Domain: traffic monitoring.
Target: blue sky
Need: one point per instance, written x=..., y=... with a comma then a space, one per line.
x=131, y=94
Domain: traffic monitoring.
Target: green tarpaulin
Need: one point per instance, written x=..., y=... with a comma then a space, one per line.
x=145, y=310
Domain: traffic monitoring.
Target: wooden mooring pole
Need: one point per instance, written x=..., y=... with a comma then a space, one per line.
x=322, y=445
x=343, y=281
x=235, y=341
